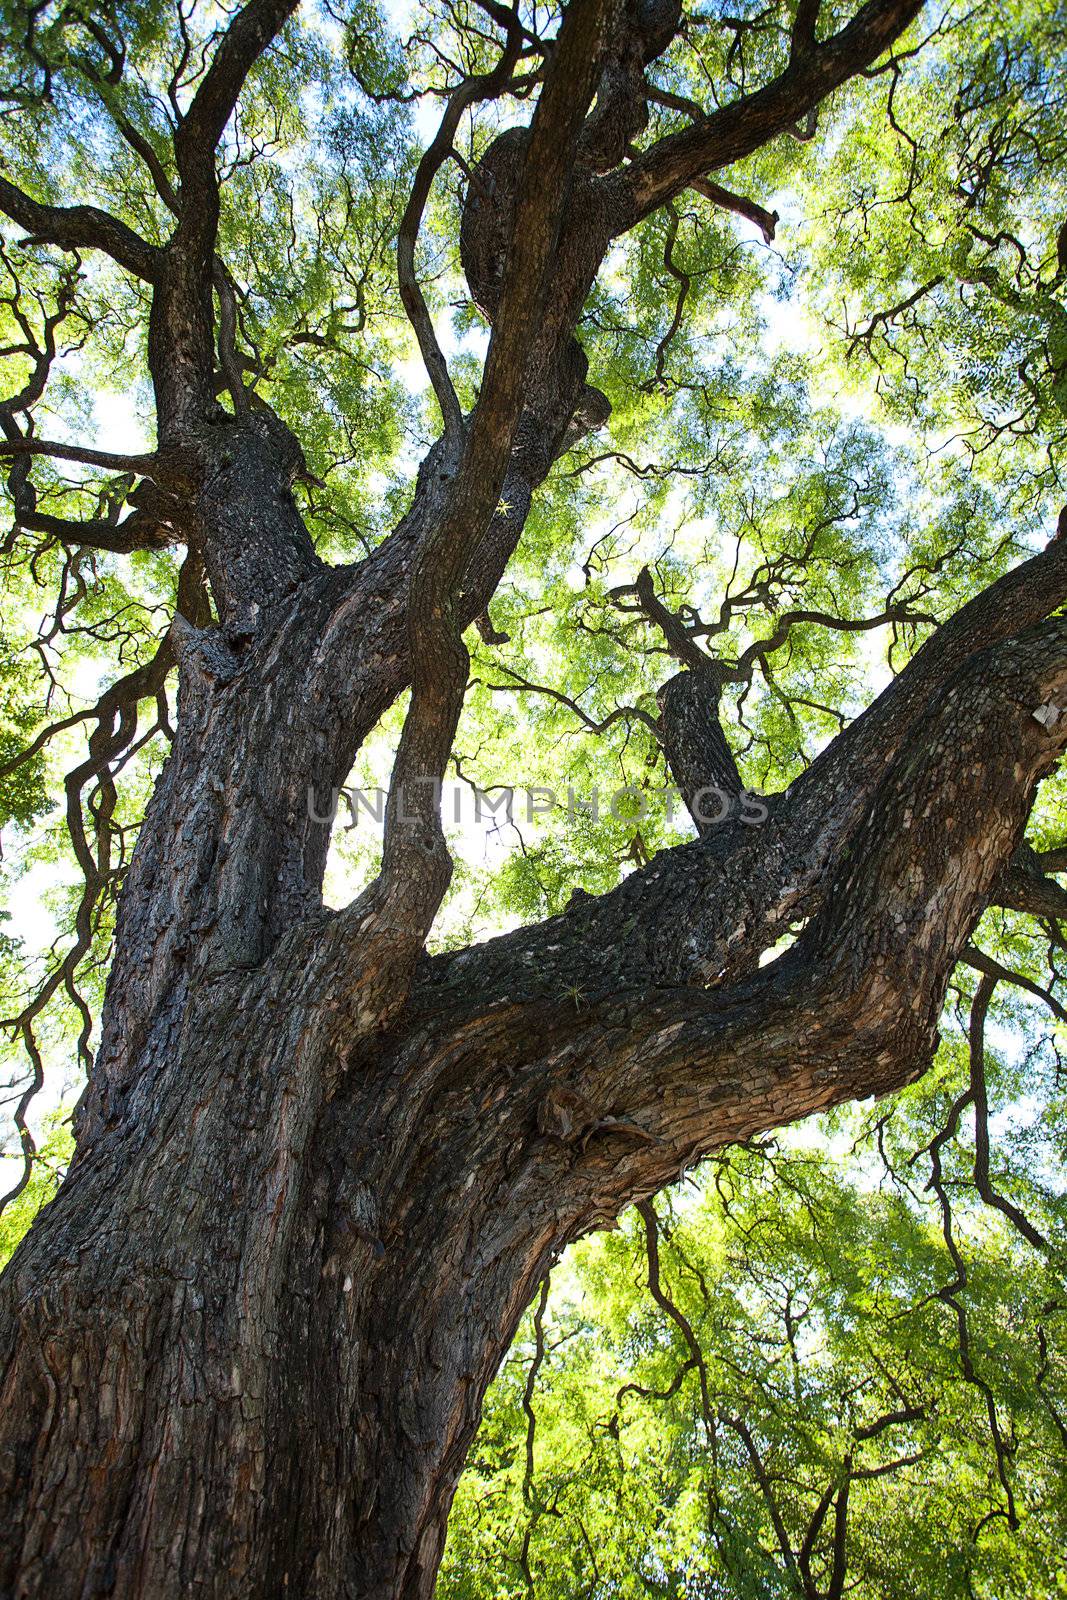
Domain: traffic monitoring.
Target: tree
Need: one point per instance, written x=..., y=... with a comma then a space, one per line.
x=319, y=1171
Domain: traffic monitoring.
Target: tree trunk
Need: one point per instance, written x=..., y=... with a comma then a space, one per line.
x=245, y=1349
x=220, y=1378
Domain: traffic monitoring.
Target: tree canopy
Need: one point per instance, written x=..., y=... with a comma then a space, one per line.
x=836, y=410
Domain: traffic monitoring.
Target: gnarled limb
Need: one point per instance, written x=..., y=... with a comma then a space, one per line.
x=851, y=1010
x=737, y=129
x=696, y=747
x=181, y=326
x=1022, y=885
x=766, y=221
x=81, y=228
x=416, y=865
x=159, y=467
x=739, y=889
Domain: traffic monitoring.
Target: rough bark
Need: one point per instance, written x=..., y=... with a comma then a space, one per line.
x=318, y=1174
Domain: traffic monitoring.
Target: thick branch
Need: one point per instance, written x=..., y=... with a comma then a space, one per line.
x=416, y=864
x=135, y=532
x=690, y=730
x=703, y=910
x=160, y=468
x=1014, y=602
x=82, y=228
x=852, y=1010
x=180, y=339
x=1023, y=886
x=738, y=129
x=696, y=747
x=195, y=141
x=766, y=221
x=742, y=887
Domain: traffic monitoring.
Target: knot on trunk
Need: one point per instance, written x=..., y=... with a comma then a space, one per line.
x=567, y=1115
x=489, y=218
x=205, y=659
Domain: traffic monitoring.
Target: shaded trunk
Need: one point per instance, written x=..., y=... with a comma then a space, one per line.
x=246, y=1346
x=244, y=1351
